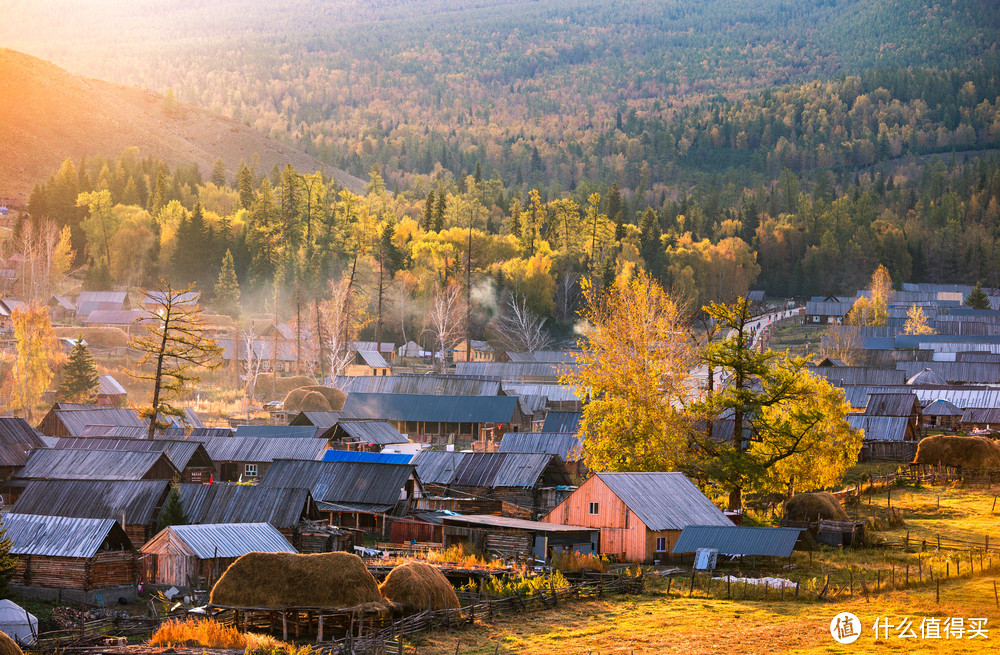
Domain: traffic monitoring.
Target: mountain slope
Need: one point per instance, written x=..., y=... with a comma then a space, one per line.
x=48, y=114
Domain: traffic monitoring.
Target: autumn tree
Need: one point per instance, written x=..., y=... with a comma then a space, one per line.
x=8, y=562
x=445, y=320
x=344, y=316
x=80, y=379
x=174, y=351
x=843, y=342
x=977, y=298
x=227, y=288
x=37, y=347
x=916, y=321
x=635, y=364
x=872, y=309
x=789, y=427
x=46, y=255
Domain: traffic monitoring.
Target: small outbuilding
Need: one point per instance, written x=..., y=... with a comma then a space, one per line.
x=194, y=555
x=942, y=414
x=520, y=539
x=70, y=553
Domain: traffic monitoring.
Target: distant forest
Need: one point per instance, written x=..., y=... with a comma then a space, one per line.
x=790, y=146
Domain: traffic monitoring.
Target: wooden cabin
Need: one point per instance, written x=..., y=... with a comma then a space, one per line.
x=135, y=504
x=941, y=414
x=640, y=515
x=17, y=439
x=110, y=392
x=70, y=553
x=70, y=420
x=367, y=362
x=478, y=351
x=188, y=456
x=517, y=538
x=195, y=556
x=241, y=459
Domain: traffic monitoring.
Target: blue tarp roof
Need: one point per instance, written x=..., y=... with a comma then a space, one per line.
x=355, y=456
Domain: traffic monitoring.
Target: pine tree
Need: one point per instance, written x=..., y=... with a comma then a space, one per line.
x=616, y=211
x=227, y=289
x=244, y=184
x=427, y=222
x=977, y=298
x=80, y=383
x=439, y=208
x=218, y=173
x=173, y=510
x=159, y=199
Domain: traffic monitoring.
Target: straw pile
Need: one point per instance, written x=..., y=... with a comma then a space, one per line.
x=416, y=586
x=960, y=452
x=110, y=337
x=806, y=507
x=334, y=398
x=279, y=580
x=7, y=646
x=314, y=401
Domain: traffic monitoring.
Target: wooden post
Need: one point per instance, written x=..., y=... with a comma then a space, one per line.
x=937, y=592
x=947, y=569
x=992, y=509
x=892, y=585
x=920, y=569
x=938, y=542
x=729, y=586
x=878, y=580
x=907, y=573
x=669, y=582
x=851, y=571
x=691, y=590
x=319, y=628
x=796, y=588
x=996, y=596
x=284, y=626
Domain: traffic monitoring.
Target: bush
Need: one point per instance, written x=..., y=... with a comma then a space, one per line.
x=571, y=561
x=209, y=633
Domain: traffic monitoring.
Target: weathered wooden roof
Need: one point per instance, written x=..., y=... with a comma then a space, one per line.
x=373, y=359
x=182, y=453
x=374, y=432
x=516, y=371
x=510, y=523
x=60, y=536
x=341, y=482
x=845, y=375
x=892, y=404
x=226, y=540
x=138, y=500
x=109, y=386
x=565, y=444
x=16, y=439
x=74, y=464
x=261, y=449
x=75, y=420
x=278, y=431
x=942, y=407
x=427, y=385
x=488, y=469
x=664, y=501
x=554, y=392
x=562, y=422
x=242, y=503
x=880, y=428
x=988, y=415
x=443, y=409
x=323, y=420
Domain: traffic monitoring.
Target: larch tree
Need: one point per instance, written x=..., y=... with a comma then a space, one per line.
x=917, y=321
x=174, y=351
x=843, y=342
x=872, y=309
x=80, y=380
x=37, y=347
x=790, y=428
x=634, y=367
x=227, y=288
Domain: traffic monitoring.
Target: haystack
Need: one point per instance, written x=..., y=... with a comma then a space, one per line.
x=314, y=401
x=295, y=400
x=111, y=337
x=281, y=386
x=277, y=580
x=416, y=586
x=806, y=507
x=8, y=647
x=960, y=452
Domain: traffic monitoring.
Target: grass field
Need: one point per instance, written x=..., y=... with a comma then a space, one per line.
x=658, y=622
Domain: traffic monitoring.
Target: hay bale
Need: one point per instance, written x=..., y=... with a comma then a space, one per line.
x=960, y=452
x=275, y=580
x=335, y=397
x=806, y=507
x=314, y=401
x=111, y=337
x=8, y=647
x=416, y=586
x=281, y=386
x=293, y=401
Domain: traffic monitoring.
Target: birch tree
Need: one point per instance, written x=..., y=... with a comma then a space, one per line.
x=445, y=320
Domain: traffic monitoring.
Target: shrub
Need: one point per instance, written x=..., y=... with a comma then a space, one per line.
x=571, y=561
x=209, y=633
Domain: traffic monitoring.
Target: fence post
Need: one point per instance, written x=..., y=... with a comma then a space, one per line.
x=729, y=586
x=693, y=572
x=797, y=588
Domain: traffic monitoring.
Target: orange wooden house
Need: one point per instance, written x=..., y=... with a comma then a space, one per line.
x=640, y=515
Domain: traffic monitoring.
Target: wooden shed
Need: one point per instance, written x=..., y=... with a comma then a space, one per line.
x=640, y=515
x=519, y=539
x=70, y=553
x=196, y=555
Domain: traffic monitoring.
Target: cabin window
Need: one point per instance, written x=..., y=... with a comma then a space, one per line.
x=594, y=509
x=661, y=544
x=250, y=470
